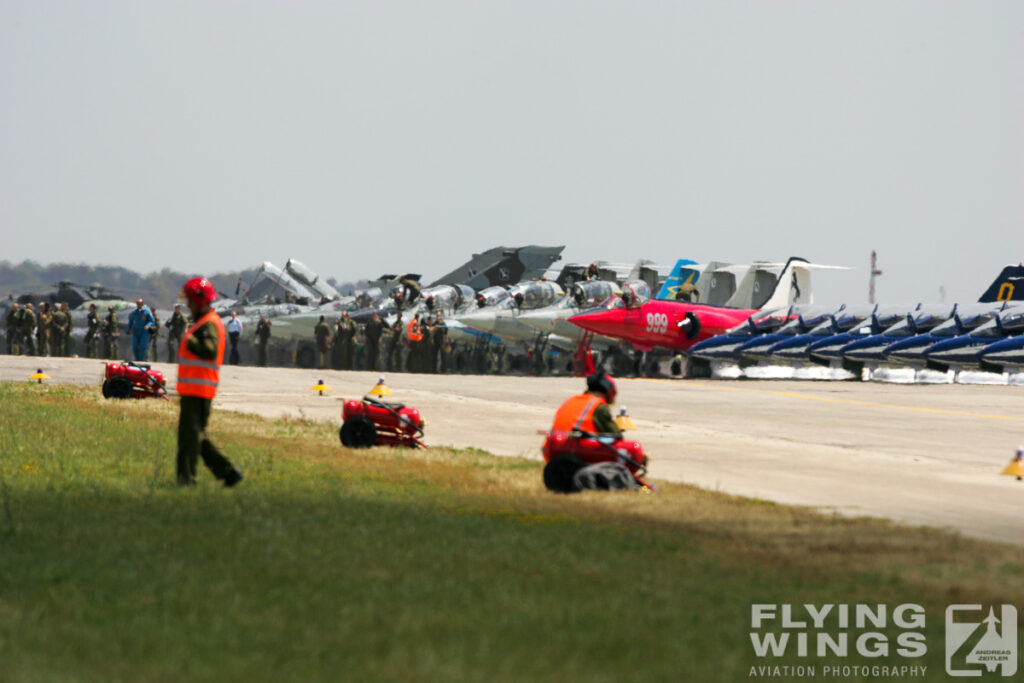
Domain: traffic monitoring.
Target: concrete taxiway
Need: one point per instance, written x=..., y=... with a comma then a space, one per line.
x=920, y=454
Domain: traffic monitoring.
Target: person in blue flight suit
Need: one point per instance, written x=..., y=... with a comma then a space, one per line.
x=140, y=324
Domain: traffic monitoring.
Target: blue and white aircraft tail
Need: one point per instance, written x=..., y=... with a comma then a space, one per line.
x=679, y=276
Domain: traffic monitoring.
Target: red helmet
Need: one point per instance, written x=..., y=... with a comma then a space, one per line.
x=199, y=291
x=603, y=382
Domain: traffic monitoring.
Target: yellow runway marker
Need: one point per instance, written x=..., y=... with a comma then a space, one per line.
x=826, y=399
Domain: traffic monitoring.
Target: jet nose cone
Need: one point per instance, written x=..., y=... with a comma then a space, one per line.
x=757, y=348
x=828, y=348
x=909, y=350
x=868, y=349
x=1009, y=352
x=538, y=320
x=958, y=350
x=722, y=347
x=599, y=322
x=480, y=320
x=794, y=348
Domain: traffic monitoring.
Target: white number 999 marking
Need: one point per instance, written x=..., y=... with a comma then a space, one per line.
x=657, y=322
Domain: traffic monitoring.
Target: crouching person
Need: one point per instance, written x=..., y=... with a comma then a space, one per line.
x=585, y=448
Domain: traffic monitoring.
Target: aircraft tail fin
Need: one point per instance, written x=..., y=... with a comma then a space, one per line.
x=793, y=286
x=679, y=276
x=502, y=266
x=1008, y=286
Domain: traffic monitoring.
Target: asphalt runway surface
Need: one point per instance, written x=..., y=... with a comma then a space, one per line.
x=919, y=454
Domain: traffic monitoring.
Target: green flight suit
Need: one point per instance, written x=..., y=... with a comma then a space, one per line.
x=27, y=330
x=111, y=348
x=262, y=341
x=176, y=327
x=60, y=330
x=92, y=333
x=154, y=337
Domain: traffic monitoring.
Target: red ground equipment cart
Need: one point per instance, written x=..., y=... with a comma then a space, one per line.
x=373, y=422
x=567, y=452
x=133, y=380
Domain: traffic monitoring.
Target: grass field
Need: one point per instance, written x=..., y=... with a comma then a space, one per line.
x=329, y=564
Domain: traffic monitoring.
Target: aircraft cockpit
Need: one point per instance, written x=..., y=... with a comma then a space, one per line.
x=590, y=293
x=536, y=294
x=446, y=297
x=1007, y=321
x=635, y=293
x=762, y=321
x=364, y=298
x=921, y=320
x=967, y=318
x=492, y=296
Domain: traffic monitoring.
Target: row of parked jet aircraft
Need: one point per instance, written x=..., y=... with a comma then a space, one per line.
x=760, y=314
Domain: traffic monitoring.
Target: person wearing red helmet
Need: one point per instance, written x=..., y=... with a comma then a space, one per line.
x=199, y=359
x=589, y=411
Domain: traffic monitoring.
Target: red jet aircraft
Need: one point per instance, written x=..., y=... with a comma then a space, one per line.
x=678, y=325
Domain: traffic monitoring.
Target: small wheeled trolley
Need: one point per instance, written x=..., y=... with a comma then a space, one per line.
x=133, y=380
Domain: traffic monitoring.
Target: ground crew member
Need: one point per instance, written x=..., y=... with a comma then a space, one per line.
x=589, y=411
x=176, y=327
x=234, y=328
x=199, y=360
x=688, y=292
x=322, y=332
x=414, y=334
x=140, y=324
x=592, y=272
x=92, y=331
x=395, y=346
x=27, y=329
x=13, y=321
x=154, y=337
x=262, y=340
x=345, y=341
x=438, y=341
x=60, y=326
x=373, y=330
x=111, y=334
x=43, y=329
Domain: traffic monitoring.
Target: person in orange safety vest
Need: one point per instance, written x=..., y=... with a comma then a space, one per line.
x=199, y=359
x=589, y=411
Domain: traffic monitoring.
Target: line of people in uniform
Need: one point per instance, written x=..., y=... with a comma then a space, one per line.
x=420, y=346
x=50, y=332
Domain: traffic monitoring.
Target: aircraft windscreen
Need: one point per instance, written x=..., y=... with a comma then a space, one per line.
x=529, y=295
x=927, y=319
x=364, y=298
x=765, y=321
x=1012, y=319
x=591, y=293
x=467, y=294
x=849, y=318
x=491, y=296
x=795, y=326
x=823, y=329
x=811, y=320
x=989, y=329
x=903, y=328
x=442, y=298
x=635, y=293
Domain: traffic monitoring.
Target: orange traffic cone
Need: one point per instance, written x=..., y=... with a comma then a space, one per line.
x=1016, y=466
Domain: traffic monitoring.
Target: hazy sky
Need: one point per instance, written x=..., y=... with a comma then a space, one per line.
x=364, y=137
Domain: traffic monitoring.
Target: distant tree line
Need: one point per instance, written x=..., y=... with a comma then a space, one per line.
x=159, y=288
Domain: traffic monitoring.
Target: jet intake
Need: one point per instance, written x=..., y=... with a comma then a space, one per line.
x=690, y=325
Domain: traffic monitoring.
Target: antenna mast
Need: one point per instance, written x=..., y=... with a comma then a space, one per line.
x=874, y=273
